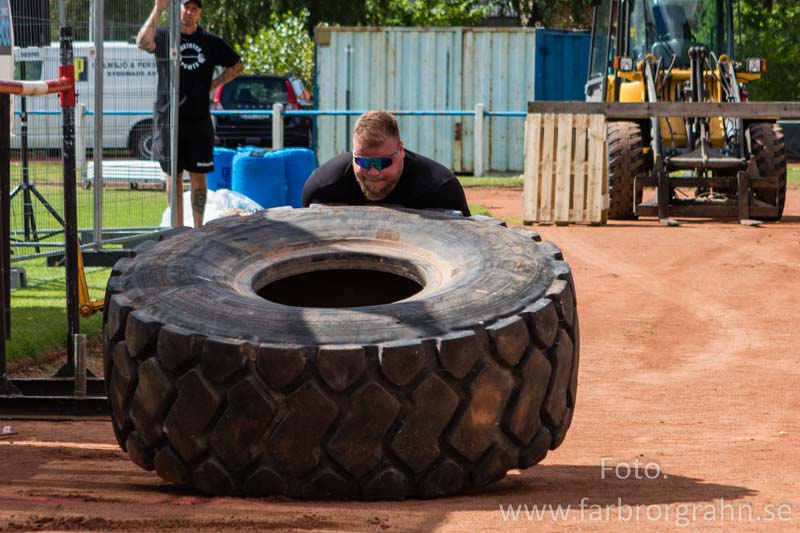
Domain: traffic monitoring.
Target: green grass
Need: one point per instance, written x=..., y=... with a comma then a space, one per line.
x=122, y=206
x=491, y=181
x=43, y=170
x=38, y=312
x=793, y=176
x=479, y=209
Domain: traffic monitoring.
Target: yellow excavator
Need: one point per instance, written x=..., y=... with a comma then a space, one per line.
x=682, y=51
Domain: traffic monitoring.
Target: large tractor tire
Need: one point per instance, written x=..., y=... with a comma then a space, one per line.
x=767, y=145
x=341, y=353
x=626, y=161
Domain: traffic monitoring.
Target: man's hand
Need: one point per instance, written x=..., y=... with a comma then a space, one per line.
x=146, y=38
x=227, y=75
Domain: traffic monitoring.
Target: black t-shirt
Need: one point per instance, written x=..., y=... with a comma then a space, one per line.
x=423, y=184
x=201, y=51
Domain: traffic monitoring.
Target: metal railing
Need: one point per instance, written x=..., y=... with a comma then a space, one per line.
x=279, y=113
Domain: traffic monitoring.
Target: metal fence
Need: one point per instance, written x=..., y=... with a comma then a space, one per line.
x=131, y=200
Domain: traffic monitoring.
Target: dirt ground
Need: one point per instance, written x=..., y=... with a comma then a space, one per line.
x=686, y=415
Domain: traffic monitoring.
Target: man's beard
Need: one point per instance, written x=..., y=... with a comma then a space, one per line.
x=373, y=193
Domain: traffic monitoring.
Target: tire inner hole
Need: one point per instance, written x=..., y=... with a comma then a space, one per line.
x=340, y=287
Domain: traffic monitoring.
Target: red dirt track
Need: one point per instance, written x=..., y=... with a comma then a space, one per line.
x=687, y=411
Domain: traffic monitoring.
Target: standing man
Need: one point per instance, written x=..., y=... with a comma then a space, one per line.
x=200, y=52
x=380, y=170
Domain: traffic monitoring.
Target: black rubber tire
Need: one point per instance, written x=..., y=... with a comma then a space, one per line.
x=626, y=161
x=767, y=145
x=140, y=140
x=219, y=389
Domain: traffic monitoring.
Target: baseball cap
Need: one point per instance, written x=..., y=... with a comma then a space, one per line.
x=198, y=2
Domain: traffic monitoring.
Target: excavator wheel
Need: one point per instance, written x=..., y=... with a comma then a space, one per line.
x=626, y=161
x=767, y=145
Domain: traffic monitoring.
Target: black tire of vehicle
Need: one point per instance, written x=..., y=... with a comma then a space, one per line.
x=218, y=389
x=626, y=161
x=767, y=145
x=140, y=141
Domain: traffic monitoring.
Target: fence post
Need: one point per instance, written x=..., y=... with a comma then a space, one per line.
x=97, y=146
x=176, y=190
x=5, y=219
x=80, y=142
x=67, y=100
x=277, y=125
x=478, y=163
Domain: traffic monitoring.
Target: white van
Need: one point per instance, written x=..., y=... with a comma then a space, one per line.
x=129, y=92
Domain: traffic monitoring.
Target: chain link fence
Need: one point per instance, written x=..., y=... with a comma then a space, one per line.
x=132, y=199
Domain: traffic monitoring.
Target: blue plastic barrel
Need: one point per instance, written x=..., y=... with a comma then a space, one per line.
x=261, y=176
x=223, y=165
x=300, y=163
x=250, y=148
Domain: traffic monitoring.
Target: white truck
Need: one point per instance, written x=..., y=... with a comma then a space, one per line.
x=129, y=92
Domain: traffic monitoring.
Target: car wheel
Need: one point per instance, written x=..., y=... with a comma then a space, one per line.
x=140, y=141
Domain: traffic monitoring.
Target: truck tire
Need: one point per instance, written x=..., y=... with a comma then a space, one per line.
x=626, y=162
x=767, y=145
x=287, y=353
x=140, y=141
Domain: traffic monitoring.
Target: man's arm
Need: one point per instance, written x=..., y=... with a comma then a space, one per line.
x=146, y=38
x=227, y=75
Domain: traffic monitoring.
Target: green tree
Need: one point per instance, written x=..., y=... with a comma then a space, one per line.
x=771, y=34
x=235, y=20
x=341, y=12
x=426, y=12
x=548, y=13
x=282, y=46
x=768, y=33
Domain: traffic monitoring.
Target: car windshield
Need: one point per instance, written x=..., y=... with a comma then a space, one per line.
x=254, y=93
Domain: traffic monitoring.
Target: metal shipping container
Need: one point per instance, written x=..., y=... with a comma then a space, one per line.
x=446, y=70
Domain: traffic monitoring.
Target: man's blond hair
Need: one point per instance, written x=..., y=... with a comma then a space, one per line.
x=374, y=127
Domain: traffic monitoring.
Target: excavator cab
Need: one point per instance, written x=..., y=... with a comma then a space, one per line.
x=663, y=29
x=651, y=51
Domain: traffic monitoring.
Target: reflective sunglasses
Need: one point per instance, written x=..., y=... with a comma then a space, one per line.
x=378, y=162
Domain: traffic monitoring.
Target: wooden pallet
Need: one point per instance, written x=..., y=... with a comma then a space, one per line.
x=565, y=169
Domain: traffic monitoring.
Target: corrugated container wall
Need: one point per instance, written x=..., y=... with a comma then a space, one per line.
x=445, y=69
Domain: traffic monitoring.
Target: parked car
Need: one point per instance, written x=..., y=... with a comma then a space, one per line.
x=258, y=92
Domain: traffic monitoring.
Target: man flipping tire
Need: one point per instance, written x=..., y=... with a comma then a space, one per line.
x=380, y=170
